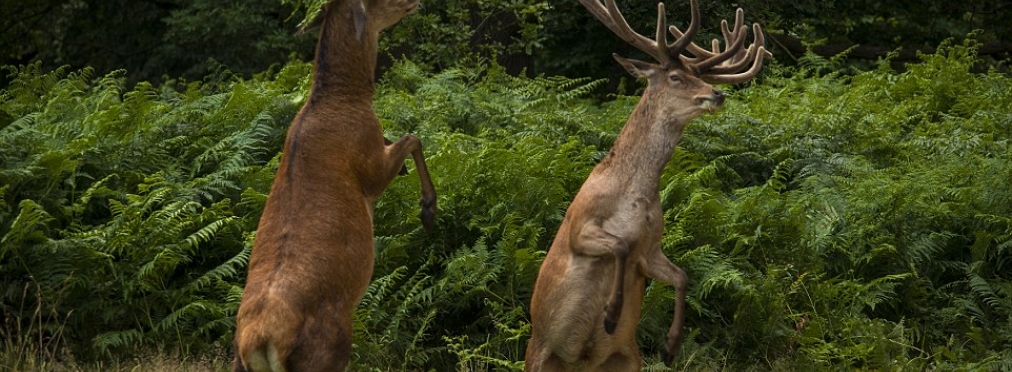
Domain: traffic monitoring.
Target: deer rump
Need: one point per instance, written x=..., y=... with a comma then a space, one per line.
x=313, y=255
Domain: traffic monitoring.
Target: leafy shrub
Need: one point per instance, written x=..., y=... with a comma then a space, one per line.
x=130, y=213
x=826, y=221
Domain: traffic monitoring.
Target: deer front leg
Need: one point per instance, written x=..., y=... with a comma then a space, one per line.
x=659, y=267
x=594, y=241
x=396, y=153
x=404, y=167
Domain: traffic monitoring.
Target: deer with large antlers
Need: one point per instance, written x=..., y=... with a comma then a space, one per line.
x=313, y=254
x=589, y=293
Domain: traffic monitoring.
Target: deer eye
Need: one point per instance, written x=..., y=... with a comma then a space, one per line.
x=675, y=78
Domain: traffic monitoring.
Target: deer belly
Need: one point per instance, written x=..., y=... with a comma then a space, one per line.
x=576, y=312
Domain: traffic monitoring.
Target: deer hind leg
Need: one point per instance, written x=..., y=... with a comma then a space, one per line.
x=594, y=241
x=659, y=267
x=237, y=365
x=396, y=153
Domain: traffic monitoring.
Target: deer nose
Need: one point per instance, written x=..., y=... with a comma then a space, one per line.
x=718, y=96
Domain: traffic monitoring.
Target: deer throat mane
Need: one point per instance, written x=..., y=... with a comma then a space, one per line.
x=344, y=64
x=646, y=142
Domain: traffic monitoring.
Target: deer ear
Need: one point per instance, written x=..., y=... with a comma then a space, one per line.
x=636, y=67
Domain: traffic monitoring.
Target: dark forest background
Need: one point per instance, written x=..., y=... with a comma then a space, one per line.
x=157, y=39
x=842, y=212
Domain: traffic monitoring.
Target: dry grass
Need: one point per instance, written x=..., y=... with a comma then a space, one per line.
x=26, y=347
x=17, y=360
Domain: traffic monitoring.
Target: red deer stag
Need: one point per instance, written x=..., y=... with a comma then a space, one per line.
x=589, y=293
x=313, y=254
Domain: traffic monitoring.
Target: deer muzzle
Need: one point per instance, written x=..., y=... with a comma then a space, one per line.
x=712, y=102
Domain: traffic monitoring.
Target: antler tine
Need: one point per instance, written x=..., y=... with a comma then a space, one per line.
x=722, y=66
x=741, y=59
x=736, y=63
x=663, y=54
x=612, y=18
x=740, y=77
x=599, y=12
x=661, y=40
x=739, y=23
x=760, y=54
x=696, y=50
x=730, y=37
x=685, y=39
x=731, y=50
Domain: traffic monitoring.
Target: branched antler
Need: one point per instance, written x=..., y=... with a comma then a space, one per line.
x=716, y=66
x=713, y=66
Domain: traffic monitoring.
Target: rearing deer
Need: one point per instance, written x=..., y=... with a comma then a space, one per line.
x=589, y=293
x=313, y=254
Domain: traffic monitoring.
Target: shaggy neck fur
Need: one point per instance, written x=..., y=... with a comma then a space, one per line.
x=645, y=145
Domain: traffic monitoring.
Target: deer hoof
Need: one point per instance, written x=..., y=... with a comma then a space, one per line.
x=667, y=357
x=428, y=213
x=671, y=347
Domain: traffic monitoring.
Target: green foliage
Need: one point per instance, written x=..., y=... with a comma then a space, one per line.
x=130, y=213
x=826, y=221
x=444, y=32
x=311, y=8
x=849, y=217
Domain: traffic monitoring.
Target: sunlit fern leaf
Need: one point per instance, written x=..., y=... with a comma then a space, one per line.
x=228, y=270
x=312, y=8
x=109, y=341
x=986, y=290
x=29, y=227
x=880, y=290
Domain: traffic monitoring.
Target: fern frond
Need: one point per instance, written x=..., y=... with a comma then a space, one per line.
x=108, y=341
x=230, y=269
x=30, y=226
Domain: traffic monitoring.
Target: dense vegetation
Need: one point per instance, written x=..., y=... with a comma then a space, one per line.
x=153, y=39
x=826, y=221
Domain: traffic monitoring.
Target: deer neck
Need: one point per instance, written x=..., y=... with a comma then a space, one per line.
x=645, y=145
x=345, y=63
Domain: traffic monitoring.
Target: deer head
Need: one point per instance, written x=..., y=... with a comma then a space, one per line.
x=379, y=15
x=679, y=82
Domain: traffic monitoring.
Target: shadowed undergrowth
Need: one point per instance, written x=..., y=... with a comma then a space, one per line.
x=826, y=221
